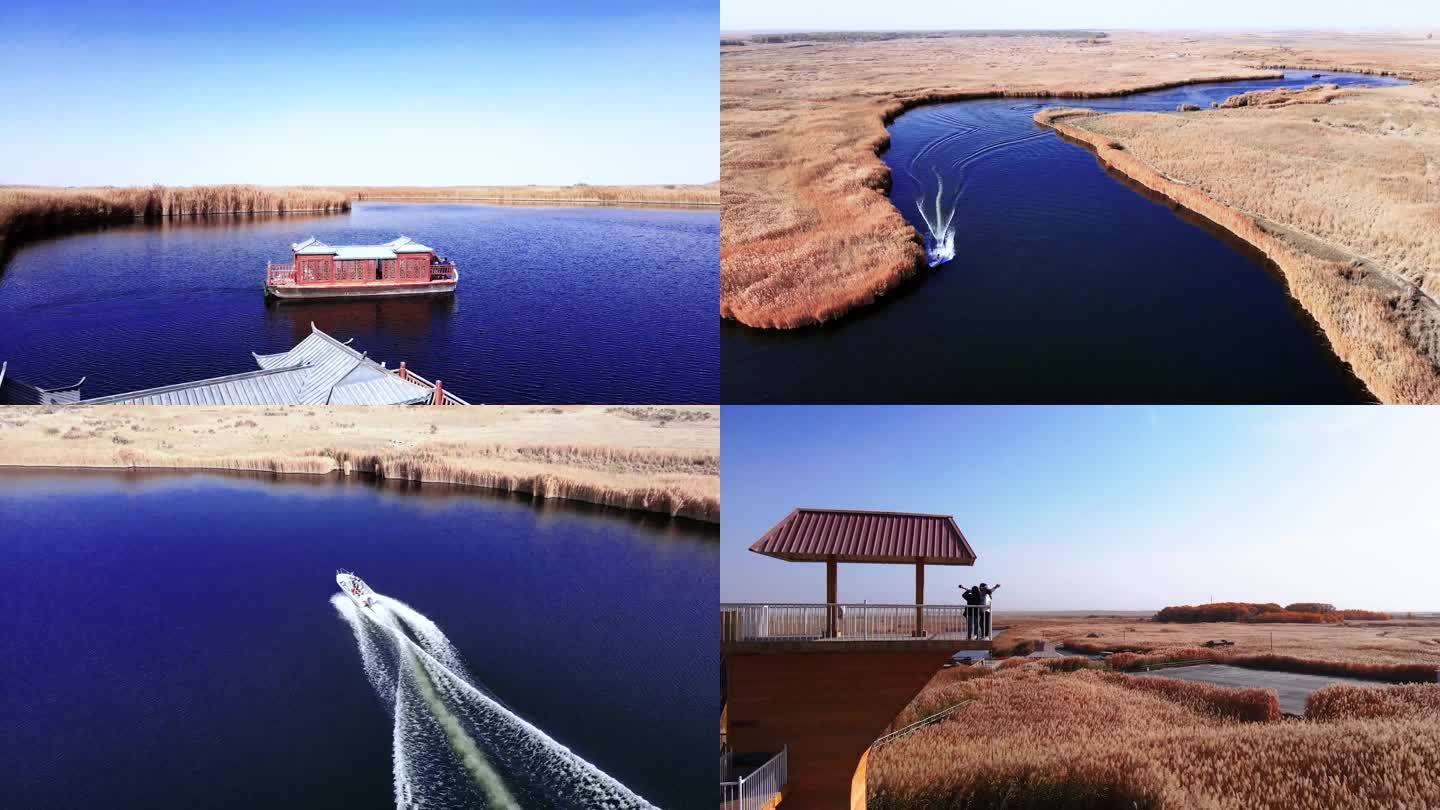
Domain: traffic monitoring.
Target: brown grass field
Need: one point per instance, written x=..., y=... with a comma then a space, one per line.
x=1036, y=736
x=808, y=233
x=1399, y=640
x=654, y=459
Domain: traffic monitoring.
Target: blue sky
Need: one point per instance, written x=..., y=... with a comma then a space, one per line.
x=1126, y=508
x=831, y=15
x=359, y=93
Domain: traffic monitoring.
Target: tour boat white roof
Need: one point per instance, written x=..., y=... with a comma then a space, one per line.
x=404, y=244
x=319, y=370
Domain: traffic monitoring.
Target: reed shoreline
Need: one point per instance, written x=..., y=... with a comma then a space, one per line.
x=661, y=460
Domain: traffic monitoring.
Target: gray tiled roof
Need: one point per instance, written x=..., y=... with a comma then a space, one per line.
x=319, y=370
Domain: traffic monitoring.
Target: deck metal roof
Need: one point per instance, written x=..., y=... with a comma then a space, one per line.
x=855, y=535
x=19, y=392
x=318, y=370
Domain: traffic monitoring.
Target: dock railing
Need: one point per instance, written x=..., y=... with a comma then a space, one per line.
x=446, y=398
x=279, y=274
x=757, y=790
x=754, y=622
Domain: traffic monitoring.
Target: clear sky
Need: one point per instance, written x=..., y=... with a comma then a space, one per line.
x=359, y=93
x=1090, y=508
x=835, y=15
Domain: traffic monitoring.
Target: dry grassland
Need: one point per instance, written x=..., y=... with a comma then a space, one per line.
x=1400, y=640
x=1035, y=737
x=664, y=460
x=1342, y=193
x=807, y=231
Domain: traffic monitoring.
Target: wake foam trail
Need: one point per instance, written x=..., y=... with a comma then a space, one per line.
x=455, y=744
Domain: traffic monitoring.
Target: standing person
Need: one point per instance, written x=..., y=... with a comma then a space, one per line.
x=984, y=592
x=972, y=599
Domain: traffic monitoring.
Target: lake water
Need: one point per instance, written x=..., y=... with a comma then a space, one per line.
x=1068, y=284
x=171, y=641
x=557, y=305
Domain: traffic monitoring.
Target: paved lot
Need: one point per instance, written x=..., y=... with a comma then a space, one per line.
x=1291, y=687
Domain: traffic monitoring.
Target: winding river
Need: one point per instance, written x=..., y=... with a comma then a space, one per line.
x=1068, y=283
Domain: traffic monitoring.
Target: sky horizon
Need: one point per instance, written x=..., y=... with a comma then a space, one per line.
x=108, y=93
x=1101, y=508
x=1131, y=15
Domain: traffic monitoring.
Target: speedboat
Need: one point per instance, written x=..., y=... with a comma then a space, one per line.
x=355, y=588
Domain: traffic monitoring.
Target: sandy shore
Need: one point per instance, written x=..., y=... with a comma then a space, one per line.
x=663, y=459
x=1336, y=188
x=809, y=233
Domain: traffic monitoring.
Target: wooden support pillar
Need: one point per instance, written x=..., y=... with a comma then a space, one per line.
x=831, y=601
x=404, y=375
x=920, y=598
x=439, y=393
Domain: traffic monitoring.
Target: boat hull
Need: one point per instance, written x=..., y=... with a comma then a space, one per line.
x=317, y=293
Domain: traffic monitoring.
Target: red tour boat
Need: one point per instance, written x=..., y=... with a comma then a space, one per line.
x=399, y=267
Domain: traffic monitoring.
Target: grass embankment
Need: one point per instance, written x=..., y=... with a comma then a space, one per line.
x=28, y=211
x=808, y=232
x=1263, y=612
x=663, y=460
x=1339, y=193
x=1036, y=736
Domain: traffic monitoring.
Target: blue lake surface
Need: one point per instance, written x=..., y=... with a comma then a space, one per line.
x=171, y=642
x=555, y=305
x=1068, y=284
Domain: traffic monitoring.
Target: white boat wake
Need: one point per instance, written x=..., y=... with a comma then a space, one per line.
x=940, y=236
x=455, y=745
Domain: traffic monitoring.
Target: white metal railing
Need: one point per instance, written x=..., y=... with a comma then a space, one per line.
x=757, y=789
x=801, y=622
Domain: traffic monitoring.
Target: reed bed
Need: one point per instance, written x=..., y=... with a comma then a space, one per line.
x=1346, y=702
x=581, y=453
x=707, y=194
x=35, y=210
x=808, y=233
x=1341, y=196
x=1033, y=738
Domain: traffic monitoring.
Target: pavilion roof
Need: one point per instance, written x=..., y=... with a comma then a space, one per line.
x=318, y=370
x=388, y=250
x=856, y=535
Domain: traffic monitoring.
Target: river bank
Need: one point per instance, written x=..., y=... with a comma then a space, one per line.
x=28, y=212
x=654, y=459
x=810, y=234
x=1350, y=240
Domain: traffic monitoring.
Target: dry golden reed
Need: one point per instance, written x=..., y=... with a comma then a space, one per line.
x=1033, y=738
